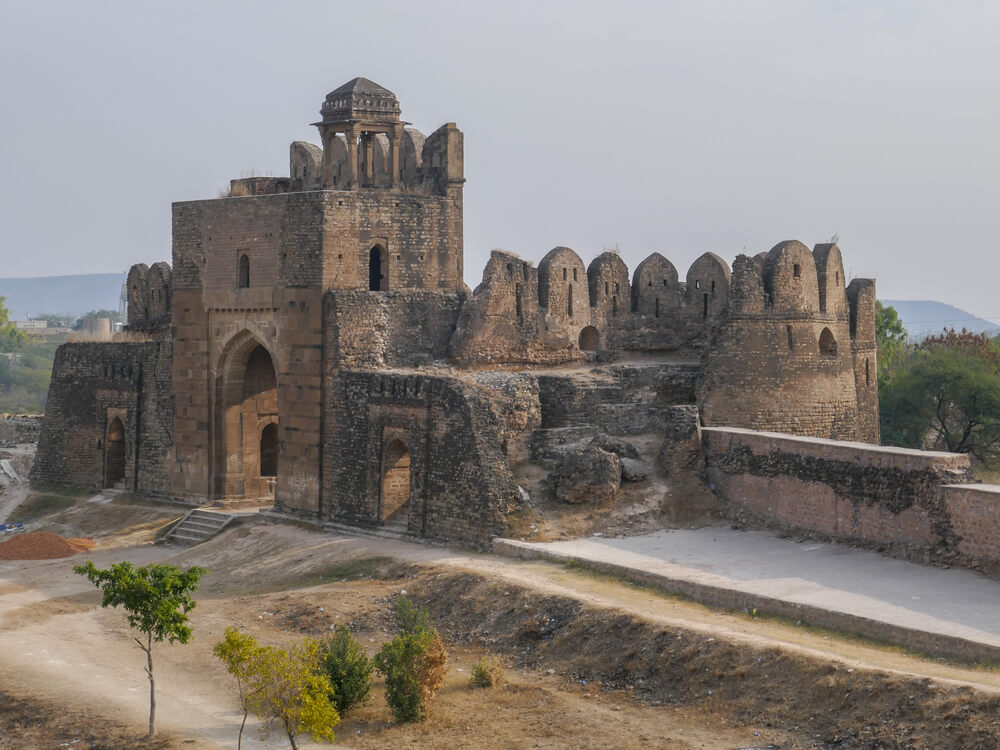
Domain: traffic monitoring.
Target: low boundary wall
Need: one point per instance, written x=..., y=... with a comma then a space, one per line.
x=920, y=505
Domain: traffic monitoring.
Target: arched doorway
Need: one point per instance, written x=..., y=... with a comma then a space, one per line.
x=395, y=485
x=114, y=455
x=376, y=270
x=269, y=450
x=589, y=339
x=247, y=446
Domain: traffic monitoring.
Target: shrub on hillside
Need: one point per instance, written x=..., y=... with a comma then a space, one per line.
x=414, y=663
x=349, y=669
x=488, y=672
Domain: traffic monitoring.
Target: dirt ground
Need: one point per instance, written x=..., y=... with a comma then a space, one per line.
x=591, y=662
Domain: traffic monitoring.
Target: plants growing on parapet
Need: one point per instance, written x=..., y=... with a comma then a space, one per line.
x=157, y=599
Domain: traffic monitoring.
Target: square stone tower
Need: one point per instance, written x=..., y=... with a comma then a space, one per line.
x=378, y=208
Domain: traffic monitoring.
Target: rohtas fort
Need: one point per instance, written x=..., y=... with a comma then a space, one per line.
x=313, y=345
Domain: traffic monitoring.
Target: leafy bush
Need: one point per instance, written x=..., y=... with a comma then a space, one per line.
x=410, y=618
x=414, y=663
x=488, y=672
x=348, y=668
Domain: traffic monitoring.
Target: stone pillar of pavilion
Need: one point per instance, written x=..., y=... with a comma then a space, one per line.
x=360, y=109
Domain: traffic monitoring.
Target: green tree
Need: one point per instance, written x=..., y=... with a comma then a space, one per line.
x=348, y=668
x=946, y=396
x=157, y=599
x=890, y=337
x=287, y=687
x=239, y=652
x=414, y=663
x=11, y=339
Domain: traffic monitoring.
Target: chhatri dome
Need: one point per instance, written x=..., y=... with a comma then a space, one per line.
x=360, y=100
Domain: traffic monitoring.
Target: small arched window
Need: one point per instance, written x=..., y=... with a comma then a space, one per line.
x=243, y=272
x=827, y=343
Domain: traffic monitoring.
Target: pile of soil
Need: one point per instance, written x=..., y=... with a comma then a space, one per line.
x=42, y=545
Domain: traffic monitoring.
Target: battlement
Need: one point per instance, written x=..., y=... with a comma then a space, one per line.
x=314, y=342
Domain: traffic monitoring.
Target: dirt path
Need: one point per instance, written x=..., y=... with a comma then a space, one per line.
x=282, y=581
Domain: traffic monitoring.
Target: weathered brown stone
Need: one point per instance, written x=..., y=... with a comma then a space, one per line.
x=314, y=342
x=589, y=475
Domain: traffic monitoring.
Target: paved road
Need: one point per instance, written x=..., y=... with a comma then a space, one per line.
x=952, y=602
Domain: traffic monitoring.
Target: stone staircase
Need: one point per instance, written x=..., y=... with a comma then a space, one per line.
x=198, y=526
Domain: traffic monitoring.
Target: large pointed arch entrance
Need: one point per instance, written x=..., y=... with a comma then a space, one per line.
x=247, y=447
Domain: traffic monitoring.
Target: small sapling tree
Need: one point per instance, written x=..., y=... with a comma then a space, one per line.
x=157, y=599
x=289, y=688
x=239, y=651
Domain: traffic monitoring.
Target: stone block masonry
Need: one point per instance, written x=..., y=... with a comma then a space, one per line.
x=918, y=505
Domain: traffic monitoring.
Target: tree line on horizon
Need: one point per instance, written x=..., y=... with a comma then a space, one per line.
x=26, y=360
x=941, y=392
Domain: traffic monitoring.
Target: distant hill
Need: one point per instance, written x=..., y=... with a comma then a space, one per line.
x=923, y=317
x=63, y=295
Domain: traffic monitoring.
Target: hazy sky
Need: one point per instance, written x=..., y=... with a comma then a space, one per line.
x=678, y=127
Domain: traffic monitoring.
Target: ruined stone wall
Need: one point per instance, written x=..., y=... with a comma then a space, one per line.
x=19, y=428
x=92, y=385
x=861, y=308
x=561, y=312
x=460, y=485
x=389, y=329
x=913, y=504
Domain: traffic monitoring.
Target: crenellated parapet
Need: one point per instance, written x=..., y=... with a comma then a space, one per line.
x=786, y=356
x=583, y=311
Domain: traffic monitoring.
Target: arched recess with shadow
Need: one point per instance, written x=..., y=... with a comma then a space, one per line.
x=114, y=454
x=590, y=340
x=378, y=269
x=827, y=343
x=395, y=501
x=243, y=272
x=246, y=420
x=269, y=450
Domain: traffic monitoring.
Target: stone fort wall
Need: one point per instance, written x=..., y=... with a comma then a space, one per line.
x=93, y=385
x=919, y=505
x=323, y=318
x=461, y=486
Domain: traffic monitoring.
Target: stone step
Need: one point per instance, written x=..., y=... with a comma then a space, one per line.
x=198, y=526
x=208, y=528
